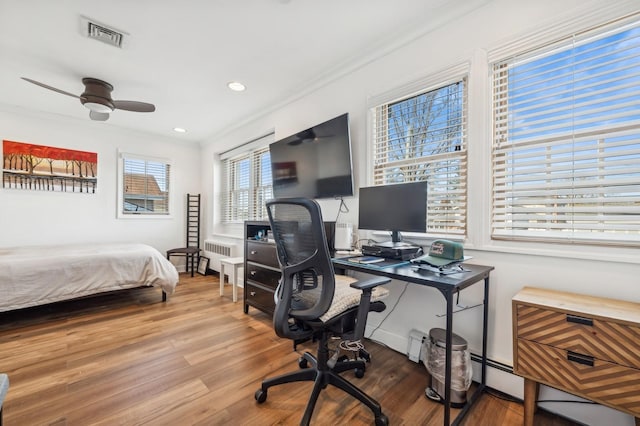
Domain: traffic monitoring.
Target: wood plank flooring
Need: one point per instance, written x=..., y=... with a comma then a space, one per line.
x=126, y=358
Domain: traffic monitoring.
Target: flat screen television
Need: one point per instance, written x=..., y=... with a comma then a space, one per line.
x=394, y=208
x=314, y=163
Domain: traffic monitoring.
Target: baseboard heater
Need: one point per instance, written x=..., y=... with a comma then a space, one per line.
x=216, y=250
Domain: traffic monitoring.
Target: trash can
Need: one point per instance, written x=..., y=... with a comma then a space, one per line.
x=435, y=348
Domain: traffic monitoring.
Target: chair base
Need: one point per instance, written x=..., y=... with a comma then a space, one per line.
x=322, y=375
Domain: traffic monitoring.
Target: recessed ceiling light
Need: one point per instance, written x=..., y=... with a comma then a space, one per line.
x=236, y=86
x=179, y=130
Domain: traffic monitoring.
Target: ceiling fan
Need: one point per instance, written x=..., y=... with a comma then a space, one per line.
x=97, y=98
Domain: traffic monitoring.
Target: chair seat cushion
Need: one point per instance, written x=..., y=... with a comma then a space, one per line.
x=346, y=297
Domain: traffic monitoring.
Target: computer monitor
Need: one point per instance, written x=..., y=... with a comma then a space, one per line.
x=395, y=208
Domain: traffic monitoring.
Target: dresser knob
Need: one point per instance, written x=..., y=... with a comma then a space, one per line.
x=254, y=252
x=252, y=293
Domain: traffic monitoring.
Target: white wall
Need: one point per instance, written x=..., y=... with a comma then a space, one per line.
x=581, y=270
x=44, y=218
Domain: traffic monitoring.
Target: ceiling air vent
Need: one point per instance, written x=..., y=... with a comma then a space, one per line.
x=101, y=32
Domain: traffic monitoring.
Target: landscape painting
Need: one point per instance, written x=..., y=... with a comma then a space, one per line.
x=45, y=168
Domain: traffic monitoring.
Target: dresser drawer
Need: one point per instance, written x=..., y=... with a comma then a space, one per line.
x=601, y=381
x=264, y=253
x=603, y=339
x=259, y=297
x=266, y=277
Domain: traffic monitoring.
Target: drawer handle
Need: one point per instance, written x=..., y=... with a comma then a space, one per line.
x=252, y=293
x=579, y=358
x=253, y=273
x=579, y=320
x=254, y=252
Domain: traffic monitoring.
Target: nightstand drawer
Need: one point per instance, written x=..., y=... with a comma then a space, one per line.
x=266, y=277
x=598, y=380
x=264, y=253
x=602, y=339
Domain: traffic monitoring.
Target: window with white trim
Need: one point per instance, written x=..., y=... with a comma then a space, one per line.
x=566, y=141
x=143, y=186
x=246, y=186
x=423, y=137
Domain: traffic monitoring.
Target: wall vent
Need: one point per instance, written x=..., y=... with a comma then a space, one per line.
x=97, y=31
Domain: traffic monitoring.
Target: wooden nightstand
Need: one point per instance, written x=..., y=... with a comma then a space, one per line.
x=587, y=346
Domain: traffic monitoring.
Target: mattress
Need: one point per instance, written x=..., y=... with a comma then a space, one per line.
x=37, y=275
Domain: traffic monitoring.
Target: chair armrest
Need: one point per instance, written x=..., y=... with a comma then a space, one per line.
x=369, y=283
x=366, y=286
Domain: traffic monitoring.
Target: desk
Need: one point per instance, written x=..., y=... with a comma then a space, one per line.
x=448, y=286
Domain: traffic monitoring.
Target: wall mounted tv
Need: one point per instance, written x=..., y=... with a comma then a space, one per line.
x=314, y=163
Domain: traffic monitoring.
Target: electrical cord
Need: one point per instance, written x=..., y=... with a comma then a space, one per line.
x=341, y=209
x=406, y=285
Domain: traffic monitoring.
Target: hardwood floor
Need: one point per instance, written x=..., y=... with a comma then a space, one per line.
x=127, y=358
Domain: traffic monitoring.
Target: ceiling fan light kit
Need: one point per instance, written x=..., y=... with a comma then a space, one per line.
x=97, y=99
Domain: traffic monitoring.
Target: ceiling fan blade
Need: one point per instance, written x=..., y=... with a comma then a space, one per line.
x=134, y=106
x=98, y=116
x=37, y=83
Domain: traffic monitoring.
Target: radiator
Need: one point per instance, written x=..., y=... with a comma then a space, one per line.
x=218, y=249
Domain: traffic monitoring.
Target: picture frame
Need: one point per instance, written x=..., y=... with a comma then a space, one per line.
x=203, y=265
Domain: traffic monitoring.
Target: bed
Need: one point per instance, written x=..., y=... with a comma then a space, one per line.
x=31, y=276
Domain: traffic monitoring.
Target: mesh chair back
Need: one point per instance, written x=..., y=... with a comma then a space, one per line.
x=306, y=287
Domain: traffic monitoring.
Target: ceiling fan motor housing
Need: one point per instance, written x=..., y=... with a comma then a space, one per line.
x=97, y=95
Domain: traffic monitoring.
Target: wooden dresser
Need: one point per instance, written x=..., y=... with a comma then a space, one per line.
x=261, y=267
x=587, y=346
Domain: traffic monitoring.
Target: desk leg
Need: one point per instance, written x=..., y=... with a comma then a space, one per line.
x=530, y=397
x=485, y=323
x=447, y=363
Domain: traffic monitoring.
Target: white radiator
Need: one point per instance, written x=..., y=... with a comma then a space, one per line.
x=217, y=249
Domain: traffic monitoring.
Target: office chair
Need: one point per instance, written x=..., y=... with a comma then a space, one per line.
x=313, y=303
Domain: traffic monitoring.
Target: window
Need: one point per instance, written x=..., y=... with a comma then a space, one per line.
x=246, y=186
x=424, y=137
x=143, y=187
x=566, y=142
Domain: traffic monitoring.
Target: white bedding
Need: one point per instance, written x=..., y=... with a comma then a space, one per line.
x=31, y=276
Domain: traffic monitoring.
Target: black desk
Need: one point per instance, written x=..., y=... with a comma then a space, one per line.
x=448, y=286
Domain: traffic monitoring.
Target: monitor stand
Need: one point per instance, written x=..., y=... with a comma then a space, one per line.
x=392, y=244
x=396, y=242
x=394, y=249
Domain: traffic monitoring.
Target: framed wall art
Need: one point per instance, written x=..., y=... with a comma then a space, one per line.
x=45, y=168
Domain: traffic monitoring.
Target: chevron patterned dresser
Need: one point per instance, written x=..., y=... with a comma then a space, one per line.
x=587, y=346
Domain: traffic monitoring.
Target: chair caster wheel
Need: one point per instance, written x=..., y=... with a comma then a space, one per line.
x=382, y=420
x=360, y=373
x=302, y=362
x=261, y=396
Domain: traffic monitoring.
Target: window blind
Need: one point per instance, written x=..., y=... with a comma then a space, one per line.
x=145, y=186
x=247, y=185
x=566, y=142
x=424, y=137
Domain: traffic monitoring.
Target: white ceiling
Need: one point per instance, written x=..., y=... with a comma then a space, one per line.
x=180, y=55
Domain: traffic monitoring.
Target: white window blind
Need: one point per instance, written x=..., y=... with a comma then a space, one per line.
x=247, y=186
x=145, y=186
x=566, y=143
x=424, y=138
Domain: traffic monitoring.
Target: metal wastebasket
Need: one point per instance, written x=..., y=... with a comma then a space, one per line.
x=435, y=348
